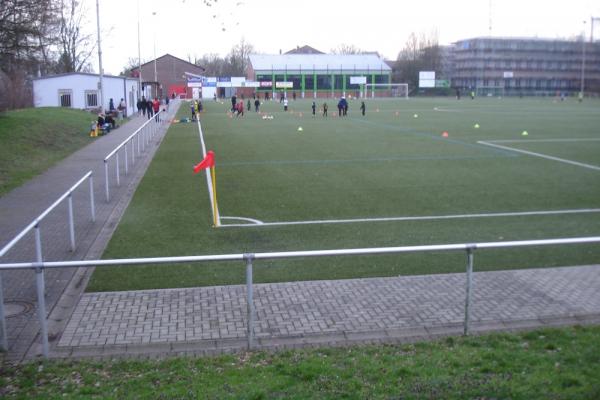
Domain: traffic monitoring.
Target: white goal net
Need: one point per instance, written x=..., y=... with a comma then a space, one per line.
x=381, y=90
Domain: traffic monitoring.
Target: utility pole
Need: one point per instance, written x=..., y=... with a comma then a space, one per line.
x=100, y=86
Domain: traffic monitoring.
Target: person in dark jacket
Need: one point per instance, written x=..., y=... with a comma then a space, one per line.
x=363, y=108
x=256, y=105
x=149, y=108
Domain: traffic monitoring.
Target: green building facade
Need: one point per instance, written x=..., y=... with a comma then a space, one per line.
x=319, y=75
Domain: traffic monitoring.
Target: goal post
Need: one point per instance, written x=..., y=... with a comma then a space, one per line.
x=383, y=90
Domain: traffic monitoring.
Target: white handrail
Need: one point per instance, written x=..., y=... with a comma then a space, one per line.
x=39, y=218
x=297, y=254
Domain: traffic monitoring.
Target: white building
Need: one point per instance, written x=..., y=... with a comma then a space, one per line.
x=80, y=90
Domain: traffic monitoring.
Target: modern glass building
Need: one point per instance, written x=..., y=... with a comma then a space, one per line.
x=318, y=75
x=526, y=66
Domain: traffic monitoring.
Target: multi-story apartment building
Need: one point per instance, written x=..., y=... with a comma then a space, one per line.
x=526, y=66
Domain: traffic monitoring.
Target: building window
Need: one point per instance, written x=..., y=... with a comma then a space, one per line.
x=91, y=99
x=64, y=97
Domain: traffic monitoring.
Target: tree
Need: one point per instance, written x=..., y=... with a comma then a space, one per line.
x=239, y=58
x=346, y=49
x=75, y=47
x=25, y=27
x=213, y=64
x=420, y=53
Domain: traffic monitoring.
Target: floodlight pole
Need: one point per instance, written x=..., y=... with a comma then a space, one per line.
x=139, y=53
x=155, y=74
x=101, y=87
x=582, y=85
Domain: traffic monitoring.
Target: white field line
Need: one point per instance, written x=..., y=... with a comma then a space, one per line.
x=445, y=109
x=531, y=153
x=417, y=218
x=546, y=140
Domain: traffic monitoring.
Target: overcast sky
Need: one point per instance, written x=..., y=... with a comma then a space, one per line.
x=188, y=28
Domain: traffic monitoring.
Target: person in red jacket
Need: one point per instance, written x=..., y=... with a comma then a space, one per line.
x=156, y=109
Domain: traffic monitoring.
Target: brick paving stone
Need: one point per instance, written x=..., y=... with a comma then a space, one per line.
x=324, y=309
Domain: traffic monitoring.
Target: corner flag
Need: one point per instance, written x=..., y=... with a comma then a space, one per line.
x=208, y=162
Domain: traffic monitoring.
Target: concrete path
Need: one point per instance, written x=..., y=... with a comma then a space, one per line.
x=214, y=319
x=22, y=205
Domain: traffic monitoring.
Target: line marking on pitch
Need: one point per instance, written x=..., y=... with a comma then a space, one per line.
x=531, y=153
x=415, y=218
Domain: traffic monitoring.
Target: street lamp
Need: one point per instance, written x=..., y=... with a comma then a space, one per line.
x=100, y=86
x=139, y=53
x=155, y=75
x=582, y=85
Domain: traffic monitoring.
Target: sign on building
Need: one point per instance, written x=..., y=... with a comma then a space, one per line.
x=426, y=79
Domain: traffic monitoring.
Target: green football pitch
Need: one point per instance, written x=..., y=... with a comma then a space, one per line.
x=409, y=172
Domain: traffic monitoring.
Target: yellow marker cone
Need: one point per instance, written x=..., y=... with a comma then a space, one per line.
x=524, y=133
x=300, y=129
x=476, y=126
x=416, y=116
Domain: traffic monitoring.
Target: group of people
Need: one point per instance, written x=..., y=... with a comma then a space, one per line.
x=151, y=108
x=196, y=108
x=237, y=106
x=342, y=108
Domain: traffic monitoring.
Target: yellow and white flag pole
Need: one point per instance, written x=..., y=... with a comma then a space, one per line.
x=209, y=162
x=216, y=219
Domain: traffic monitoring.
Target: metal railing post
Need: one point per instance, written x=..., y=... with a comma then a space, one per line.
x=106, y=180
x=92, y=205
x=126, y=160
x=132, y=151
x=469, y=288
x=39, y=277
x=71, y=221
x=249, y=299
x=117, y=171
x=3, y=337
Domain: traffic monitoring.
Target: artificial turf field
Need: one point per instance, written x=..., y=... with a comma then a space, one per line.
x=366, y=182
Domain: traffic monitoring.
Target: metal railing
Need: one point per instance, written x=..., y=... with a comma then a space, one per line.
x=249, y=258
x=143, y=135
x=35, y=225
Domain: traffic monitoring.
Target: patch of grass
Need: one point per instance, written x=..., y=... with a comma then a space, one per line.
x=34, y=139
x=518, y=366
x=387, y=164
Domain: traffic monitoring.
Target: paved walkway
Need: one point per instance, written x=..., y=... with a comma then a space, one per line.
x=213, y=319
x=22, y=205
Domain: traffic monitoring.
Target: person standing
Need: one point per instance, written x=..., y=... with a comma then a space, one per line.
x=156, y=109
x=256, y=105
x=285, y=104
x=363, y=108
x=149, y=108
x=248, y=105
x=324, y=109
x=233, y=103
x=314, y=109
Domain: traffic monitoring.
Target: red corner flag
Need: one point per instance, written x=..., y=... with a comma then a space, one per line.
x=208, y=162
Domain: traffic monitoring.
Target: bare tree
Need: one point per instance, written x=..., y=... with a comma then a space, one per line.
x=239, y=58
x=213, y=64
x=22, y=23
x=76, y=47
x=420, y=53
x=346, y=49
